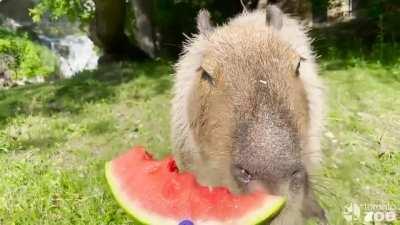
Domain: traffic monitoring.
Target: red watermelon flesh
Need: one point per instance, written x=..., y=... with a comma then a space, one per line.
x=156, y=193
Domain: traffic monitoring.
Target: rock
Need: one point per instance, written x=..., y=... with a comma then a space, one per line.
x=5, y=74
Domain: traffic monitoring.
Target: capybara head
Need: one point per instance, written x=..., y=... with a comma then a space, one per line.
x=249, y=109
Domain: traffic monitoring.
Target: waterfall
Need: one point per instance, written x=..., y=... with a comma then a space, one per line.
x=75, y=52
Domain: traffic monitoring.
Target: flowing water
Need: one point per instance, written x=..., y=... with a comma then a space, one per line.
x=76, y=52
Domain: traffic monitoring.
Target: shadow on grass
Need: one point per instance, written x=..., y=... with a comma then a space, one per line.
x=70, y=95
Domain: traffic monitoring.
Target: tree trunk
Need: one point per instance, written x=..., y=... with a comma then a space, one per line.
x=20, y=13
x=298, y=8
x=145, y=32
x=355, y=5
x=320, y=10
x=107, y=31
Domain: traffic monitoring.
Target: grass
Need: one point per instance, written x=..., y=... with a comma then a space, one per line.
x=362, y=140
x=56, y=137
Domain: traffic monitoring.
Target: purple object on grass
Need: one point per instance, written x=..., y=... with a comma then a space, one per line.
x=186, y=222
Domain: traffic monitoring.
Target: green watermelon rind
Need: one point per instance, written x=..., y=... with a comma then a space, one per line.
x=264, y=214
x=267, y=212
x=127, y=206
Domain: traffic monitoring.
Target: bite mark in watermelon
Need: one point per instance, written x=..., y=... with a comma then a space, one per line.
x=156, y=193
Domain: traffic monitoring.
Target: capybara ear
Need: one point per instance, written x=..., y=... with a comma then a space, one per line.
x=274, y=17
x=204, y=22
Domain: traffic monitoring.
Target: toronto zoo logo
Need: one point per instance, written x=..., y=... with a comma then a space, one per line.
x=366, y=213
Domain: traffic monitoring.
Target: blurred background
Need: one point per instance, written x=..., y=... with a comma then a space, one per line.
x=82, y=80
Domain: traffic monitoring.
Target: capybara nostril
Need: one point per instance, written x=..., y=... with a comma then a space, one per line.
x=296, y=174
x=299, y=174
x=298, y=179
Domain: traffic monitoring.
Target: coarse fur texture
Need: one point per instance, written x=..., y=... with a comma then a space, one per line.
x=247, y=99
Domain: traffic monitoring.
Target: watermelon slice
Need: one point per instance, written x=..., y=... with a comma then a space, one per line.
x=155, y=193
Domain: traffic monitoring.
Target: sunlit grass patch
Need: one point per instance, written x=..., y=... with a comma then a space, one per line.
x=55, y=139
x=362, y=141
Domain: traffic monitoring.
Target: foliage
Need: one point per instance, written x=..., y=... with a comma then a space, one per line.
x=83, y=9
x=75, y=9
x=339, y=53
x=377, y=8
x=29, y=59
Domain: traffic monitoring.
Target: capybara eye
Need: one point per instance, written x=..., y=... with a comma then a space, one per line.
x=298, y=68
x=207, y=77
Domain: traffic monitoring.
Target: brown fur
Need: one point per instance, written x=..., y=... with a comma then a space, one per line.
x=244, y=105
